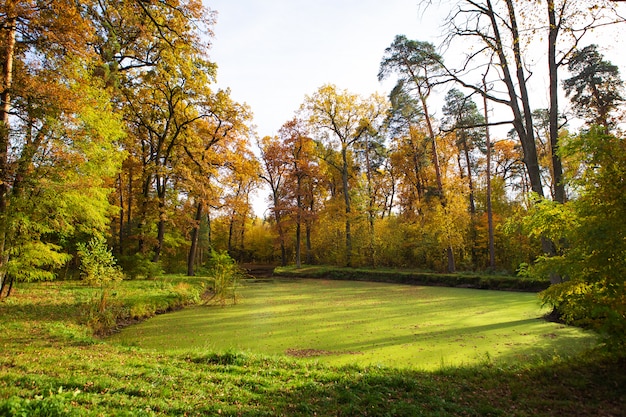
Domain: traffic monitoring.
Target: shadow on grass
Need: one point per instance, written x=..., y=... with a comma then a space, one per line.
x=595, y=387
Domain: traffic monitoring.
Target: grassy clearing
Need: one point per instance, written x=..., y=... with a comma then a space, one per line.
x=50, y=365
x=369, y=324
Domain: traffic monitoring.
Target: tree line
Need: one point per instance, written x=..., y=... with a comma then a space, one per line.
x=114, y=137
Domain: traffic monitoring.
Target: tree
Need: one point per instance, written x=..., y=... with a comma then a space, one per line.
x=211, y=145
x=275, y=160
x=592, y=225
x=461, y=116
x=417, y=65
x=341, y=120
x=303, y=176
x=59, y=139
x=595, y=86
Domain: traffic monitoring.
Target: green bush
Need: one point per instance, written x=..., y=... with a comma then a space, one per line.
x=140, y=266
x=486, y=282
x=226, y=275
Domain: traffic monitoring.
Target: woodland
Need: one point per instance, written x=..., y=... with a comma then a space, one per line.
x=119, y=158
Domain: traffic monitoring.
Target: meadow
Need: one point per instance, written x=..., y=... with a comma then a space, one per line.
x=367, y=324
x=51, y=364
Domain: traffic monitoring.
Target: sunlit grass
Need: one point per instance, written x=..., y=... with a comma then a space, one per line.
x=51, y=365
x=369, y=324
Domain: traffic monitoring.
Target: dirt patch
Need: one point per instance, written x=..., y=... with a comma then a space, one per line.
x=308, y=353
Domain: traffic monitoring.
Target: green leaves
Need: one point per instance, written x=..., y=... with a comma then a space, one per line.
x=97, y=264
x=591, y=237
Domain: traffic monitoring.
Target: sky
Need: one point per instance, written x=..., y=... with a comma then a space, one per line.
x=272, y=53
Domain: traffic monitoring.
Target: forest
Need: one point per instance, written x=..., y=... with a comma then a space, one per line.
x=119, y=158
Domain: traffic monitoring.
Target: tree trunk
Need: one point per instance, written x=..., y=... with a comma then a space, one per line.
x=435, y=156
x=298, y=224
x=309, y=247
x=557, y=168
x=121, y=229
x=523, y=122
x=160, y=232
x=193, y=249
x=143, y=214
x=492, y=252
x=5, y=107
x=346, y=196
x=469, y=176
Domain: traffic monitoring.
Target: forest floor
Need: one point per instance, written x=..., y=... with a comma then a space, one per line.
x=51, y=365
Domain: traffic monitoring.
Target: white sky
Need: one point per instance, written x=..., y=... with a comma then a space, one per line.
x=272, y=53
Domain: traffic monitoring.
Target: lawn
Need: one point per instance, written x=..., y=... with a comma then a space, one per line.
x=51, y=365
x=369, y=324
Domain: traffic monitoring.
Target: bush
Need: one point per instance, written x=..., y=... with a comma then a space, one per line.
x=98, y=267
x=485, y=282
x=140, y=266
x=225, y=274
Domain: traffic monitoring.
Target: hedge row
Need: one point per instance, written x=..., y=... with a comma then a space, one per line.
x=485, y=282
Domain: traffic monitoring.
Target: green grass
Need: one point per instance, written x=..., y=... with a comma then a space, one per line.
x=369, y=324
x=50, y=365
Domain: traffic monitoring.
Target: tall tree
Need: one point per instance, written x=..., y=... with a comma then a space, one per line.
x=275, y=161
x=462, y=117
x=58, y=137
x=418, y=65
x=303, y=177
x=340, y=119
x=595, y=86
x=211, y=145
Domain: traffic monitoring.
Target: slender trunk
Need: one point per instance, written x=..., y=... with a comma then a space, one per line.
x=11, y=281
x=346, y=195
x=433, y=141
x=130, y=202
x=279, y=227
x=435, y=156
x=5, y=99
x=557, y=167
x=193, y=249
x=161, y=185
x=160, y=233
x=309, y=247
x=492, y=252
x=143, y=214
x=121, y=230
x=298, y=223
x=5, y=107
x=231, y=231
x=469, y=177
x=209, y=235
x=370, y=211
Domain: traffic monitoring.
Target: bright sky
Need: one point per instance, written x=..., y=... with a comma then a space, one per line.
x=272, y=53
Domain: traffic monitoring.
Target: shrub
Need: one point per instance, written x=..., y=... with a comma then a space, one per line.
x=98, y=267
x=226, y=274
